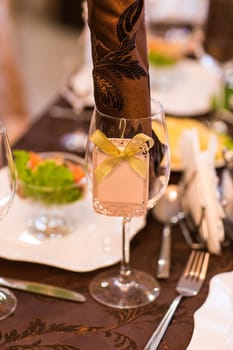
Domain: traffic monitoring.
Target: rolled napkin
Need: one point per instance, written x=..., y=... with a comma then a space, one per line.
x=121, y=90
x=202, y=194
x=120, y=62
x=81, y=80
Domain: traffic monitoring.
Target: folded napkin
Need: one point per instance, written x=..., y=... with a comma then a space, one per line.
x=81, y=84
x=81, y=81
x=120, y=62
x=202, y=194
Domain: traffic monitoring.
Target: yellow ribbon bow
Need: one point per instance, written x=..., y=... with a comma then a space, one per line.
x=140, y=142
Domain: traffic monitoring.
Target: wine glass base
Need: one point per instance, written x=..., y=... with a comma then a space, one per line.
x=8, y=303
x=109, y=289
x=75, y=141
x=52, y=224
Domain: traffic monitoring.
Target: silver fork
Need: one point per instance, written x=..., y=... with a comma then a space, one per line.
x=189, y=285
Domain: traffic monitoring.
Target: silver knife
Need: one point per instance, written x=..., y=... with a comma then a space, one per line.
x=42, y=288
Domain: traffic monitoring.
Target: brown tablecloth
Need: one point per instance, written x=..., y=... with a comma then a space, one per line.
x=43, y=323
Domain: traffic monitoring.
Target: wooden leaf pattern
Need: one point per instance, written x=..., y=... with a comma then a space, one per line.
x=124, y=49
x=121, y=63
x=37, y=329
x=118, y=62
x=35, y=335
x=126, y=316
x=38, y=346
x=128, y=19
x=128, y=68
x=107, y=92
x=123, y=342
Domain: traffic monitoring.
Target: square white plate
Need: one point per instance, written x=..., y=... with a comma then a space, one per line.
x=213, y=322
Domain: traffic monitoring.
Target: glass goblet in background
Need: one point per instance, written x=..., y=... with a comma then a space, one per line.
x=128, y=166
x=175, y=30
x=8, y=301
x=78, y=93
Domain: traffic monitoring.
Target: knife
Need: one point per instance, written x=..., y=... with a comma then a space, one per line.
x=43, y=289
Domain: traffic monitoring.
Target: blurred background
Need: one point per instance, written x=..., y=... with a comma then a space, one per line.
x=48, y=46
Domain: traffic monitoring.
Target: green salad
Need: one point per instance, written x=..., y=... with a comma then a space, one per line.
x=160, y=60
x=53, y=180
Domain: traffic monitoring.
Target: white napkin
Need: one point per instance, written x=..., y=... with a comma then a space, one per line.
x=202, y=191
x=82, y=81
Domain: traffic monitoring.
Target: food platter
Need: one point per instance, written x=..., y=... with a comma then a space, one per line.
x=191, y=88
x=175, y=128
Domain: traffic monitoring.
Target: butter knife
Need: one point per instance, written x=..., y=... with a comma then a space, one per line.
x=42, y=288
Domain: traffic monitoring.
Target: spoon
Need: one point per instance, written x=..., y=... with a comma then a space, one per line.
x=169, y=211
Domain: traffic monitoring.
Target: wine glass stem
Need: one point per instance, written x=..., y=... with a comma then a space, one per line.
x=125, y=271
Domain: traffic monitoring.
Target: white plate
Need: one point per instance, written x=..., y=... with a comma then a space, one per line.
x=213, y=322
x=95, y=243
x=190, y=89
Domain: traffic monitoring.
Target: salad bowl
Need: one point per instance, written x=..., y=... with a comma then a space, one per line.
x=51, y=183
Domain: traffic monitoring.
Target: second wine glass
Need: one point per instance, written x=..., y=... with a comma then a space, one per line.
x=8, y=301
x=128, y=166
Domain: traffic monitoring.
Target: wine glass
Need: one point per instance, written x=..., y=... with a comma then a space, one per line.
x=8, y=301
x=78, y=93
x=128, y=169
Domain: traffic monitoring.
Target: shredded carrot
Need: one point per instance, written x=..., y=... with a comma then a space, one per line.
x=77, y=171
x=34, y=160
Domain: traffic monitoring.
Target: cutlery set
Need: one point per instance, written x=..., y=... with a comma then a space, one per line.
x=170, y=210
x=188, y=285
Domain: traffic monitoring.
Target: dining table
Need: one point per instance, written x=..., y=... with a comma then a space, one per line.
x=45, y=323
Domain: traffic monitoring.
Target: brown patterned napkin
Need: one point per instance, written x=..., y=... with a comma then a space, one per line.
x=119, y=51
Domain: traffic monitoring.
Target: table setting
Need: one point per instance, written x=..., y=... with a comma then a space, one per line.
x=82, y=242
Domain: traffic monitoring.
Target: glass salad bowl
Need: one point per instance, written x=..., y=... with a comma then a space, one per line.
x=51, y=183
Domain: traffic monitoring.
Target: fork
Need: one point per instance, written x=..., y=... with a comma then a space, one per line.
x=188, y=285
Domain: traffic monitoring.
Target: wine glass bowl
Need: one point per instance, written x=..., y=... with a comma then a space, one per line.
x=128, y=162
x=51, y=183
x=8, y=300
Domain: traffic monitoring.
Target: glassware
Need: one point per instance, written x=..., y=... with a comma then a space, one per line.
x=56, y=181
x=175, y=30
x=118, y=190
x=78, y=93
x=8, y=301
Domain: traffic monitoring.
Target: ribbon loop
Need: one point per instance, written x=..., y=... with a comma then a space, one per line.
x=138, y=144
